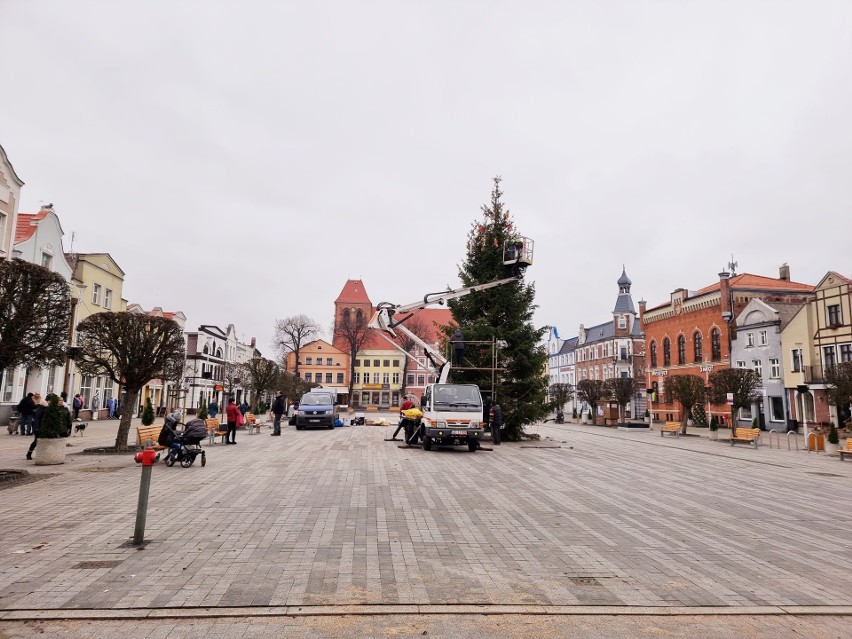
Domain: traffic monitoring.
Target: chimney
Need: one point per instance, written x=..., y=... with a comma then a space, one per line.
x=253, y=342
x=725, y=296
x=784, y=272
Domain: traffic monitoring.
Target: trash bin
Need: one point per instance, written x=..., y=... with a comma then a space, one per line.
x=792, y=425
x=816, y=441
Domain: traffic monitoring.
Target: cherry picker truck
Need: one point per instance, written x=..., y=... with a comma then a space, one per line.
x=452, y=413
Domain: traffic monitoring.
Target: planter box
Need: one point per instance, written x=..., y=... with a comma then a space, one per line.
x=49, y=452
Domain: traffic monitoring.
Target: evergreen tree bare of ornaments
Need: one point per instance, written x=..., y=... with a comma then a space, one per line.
x=148, y=413
x=505, y=313
x=51, y=435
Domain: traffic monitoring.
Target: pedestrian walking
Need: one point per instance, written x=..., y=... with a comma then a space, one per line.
x=77, y=404
x=244, y=408
x=212, y=410
x=277, y=411
x=25, y=412
x=486, y=412
x=496, y=419
x=232, y=414
x=39, y=405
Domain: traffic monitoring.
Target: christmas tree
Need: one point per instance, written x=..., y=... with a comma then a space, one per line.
x=504, y=314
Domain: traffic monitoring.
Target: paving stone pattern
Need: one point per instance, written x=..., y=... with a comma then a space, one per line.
x=341, y=517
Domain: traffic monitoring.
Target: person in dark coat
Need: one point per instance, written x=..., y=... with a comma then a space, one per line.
x=486, y=412
x=39, y=406
x=496, y=422
x=25, y=408
x=277, y=410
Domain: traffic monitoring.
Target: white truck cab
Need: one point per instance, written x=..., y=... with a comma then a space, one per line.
x=452, y=416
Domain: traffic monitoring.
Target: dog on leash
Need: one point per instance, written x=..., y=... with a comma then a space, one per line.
x=79, y=427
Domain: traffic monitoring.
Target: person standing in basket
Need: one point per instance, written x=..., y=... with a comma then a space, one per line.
x=233, y=414
x=277, y=411
x=496, y=422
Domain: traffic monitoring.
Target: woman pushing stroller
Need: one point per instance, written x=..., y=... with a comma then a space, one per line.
x=184, y=446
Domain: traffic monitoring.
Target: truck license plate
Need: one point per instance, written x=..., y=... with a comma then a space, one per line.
x=459, y=432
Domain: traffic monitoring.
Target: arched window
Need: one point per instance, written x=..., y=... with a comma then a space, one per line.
x=696, y=345
x=206, y=350
x=667, y=352
x=716, y=345
x=359, y=317
x=653, y=354
x=346, y=317
x=681, y=349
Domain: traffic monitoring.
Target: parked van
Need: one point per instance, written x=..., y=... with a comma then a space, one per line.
x=316, y=410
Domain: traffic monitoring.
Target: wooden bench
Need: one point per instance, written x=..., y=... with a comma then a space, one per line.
x=252, y=425
x=673, y=428
x=745, y=436
x=214, y=430
x=847, y=450
x=152, y=432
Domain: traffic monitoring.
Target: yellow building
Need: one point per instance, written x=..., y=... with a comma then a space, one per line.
x=378, y=378
x=96, y=285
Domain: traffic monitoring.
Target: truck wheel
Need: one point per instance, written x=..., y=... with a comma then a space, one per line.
x=427, y=443
x=472, y=445
x=298, y=427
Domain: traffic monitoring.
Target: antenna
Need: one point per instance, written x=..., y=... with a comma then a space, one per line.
x=733, y=265
x=73, y=235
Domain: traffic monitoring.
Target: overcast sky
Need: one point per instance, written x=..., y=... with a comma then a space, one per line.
x=241, y=160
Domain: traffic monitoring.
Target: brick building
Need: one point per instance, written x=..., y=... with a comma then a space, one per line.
x=692, y=332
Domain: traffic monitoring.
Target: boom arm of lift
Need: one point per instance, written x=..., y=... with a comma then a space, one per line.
x=385, y=321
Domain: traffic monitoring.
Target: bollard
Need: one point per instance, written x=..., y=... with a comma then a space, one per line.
x=146, y=458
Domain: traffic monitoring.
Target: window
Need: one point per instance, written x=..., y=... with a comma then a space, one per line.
x=385, y=378
x=761, y=338
x=3, y=235
x=681, y=349
x=421, y=380
x=309, y=377
x=86, y=389
x=667, y=352
x=776, y=409
x=716, y=345
x=386, y=363
x=696, y=347
x=340, y=378
x=328, y=377
x=376, y=363
x=328, y=361
x=395, y=363
x=46, y=260
x=834, y=316
x=622, y=321
x=846, y=352
x=796, y=354
x=774, y=368
x=757, y=366
x=745, y=413
x=96, y=294
x=309, y=361
x=653, y=354
x=395, y=378
x=375, y=378
x=409, y=380
x=108, y=298
x=8, y=383
x=749, y=340
x=358, y=362
x=741, y=363
x=829, y=358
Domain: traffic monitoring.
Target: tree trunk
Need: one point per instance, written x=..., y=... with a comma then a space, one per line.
x=733, y=421
x=131, y=396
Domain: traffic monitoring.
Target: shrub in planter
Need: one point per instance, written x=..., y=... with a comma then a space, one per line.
x=53, y=422
x=202, y=413
x=833, y=437
x=148, y=413
x=754, y=422
x=574, y=414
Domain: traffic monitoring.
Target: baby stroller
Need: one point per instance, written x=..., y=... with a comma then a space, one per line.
x=184, y=446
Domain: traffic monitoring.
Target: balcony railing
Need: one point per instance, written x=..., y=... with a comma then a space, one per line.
x=813, y=374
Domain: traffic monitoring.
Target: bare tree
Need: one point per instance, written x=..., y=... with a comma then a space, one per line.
x=688, y=390
x=35, y=315
x=838, y=387
x=233, y=374
x=130, y=349
x=560, y=393
x=353, y=332
x=294, y=332
x=261, y=377
x=420, y=329
x=593, y=392
x=742, y=383
x=621, y=389
x=292, y=386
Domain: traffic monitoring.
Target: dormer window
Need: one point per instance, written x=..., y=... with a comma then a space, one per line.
x=622, y=321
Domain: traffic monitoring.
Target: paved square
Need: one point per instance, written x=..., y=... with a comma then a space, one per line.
x=589, y=516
